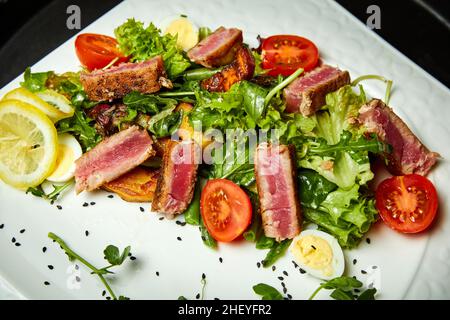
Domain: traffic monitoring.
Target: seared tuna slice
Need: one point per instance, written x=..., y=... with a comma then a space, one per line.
x=408, y=154
x=218, y=49
x=116, y=82
x=176, y=182
x=112, y=157
x=279, y=203
x=307, y=93
x=242, y=68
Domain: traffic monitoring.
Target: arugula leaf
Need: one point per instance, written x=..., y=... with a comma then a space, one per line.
x=342, y=288
x=147, y=103
x=52, y=196
x=144, y=43
x=313, y=188
x=265, y=242
x=267, y=292
x=113, y=256
x=368, y=294
x=192, y=213
x=35, y=81
x=82, y=127
x=254, y=96
x=276, y=252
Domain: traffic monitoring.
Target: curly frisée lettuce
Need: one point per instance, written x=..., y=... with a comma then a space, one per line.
x=144, y=43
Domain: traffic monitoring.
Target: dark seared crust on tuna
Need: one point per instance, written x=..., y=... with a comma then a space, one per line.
x=242, y=68
x=116, y=82
x=163, y=202
x=310, y=97
x=218, y=49
x=270, y=229
x=408, y=154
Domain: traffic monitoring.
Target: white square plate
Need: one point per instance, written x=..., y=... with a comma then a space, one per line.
x=407, y=266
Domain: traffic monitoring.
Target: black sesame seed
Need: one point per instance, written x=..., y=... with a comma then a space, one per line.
x=108, y=298
x=182, y=223
x=129, y=254
x=274, y=268
x=178, y=222
x=356, y=290
x=78, y=279
x=284, y=290
x=161, y=218
x=374, y=267
x=44, y=249
x=283, y=284
x=85, y=204
x=13, y=240
x=216, y=299
x=203, y=238
x=59, y=207
x=157, y=273
x=203, y=276
x=142, y=209
x=302, y=271
x=197, y=296
x=220, y=259
x=295, y=264
x=258, y=264
x=77, y=267
x=51, y=267
x=110, y=196
x=285, y=273
x=2, y=226
x=132, y=258
x=289, y=296
x=92, y=203
x=46, y=283
x=179, y=238
x=363, y=271
x=22, y=231
x=104, y=293
x=52, y=202
x=355, y=261
x=17, y=244
x=86, y=233
x=280, y=278
x=368, y=240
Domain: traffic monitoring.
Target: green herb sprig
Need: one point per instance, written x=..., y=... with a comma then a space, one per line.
x=112, y=255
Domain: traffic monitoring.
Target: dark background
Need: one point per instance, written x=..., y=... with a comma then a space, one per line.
x=31, y=29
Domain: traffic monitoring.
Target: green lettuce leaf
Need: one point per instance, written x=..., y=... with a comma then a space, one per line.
x=145, y=43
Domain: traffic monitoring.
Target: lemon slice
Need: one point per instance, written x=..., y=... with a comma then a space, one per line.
x=28, y=144
x=55, y=110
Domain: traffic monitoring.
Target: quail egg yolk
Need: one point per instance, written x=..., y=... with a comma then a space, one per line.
x=315, y=253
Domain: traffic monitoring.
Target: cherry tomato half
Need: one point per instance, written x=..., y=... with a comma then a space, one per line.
x=284, y=54
x=226, y=209
x=96, y=51
x=407, y=203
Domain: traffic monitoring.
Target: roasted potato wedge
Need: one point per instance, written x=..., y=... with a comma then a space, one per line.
x=137, y=185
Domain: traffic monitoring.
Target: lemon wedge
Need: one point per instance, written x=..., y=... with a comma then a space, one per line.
x=28, y=144
x=53, y=104
x=186, y=31
x=69, y=150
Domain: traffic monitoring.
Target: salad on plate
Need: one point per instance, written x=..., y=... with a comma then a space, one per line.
x=268, y=144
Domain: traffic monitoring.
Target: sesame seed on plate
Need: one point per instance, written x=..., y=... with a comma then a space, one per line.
x=46, y=283
x=274, y=268
x=179, y=238
x=110, y=196
x=44, y=249
x=220, y=259
x=22, y=231
x=13, y=240
x=363, y=271
x=368, y=240
x=2, y=226
x=103, y=293
x=258, y=264
x=157, y=273
x=92, y=203
x=302, y=271
x=280, y=278
x=86, y=233
x=355, y=261
x=203, y=276
x=197, y=296
x=161, y=218
x=59, y=207
x=85, y=204
x=289, y=296
x=284, y=290
x=142, y=209
x=285, y=273
x=132, y=258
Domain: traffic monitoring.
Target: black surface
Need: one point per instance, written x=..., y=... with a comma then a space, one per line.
x=31, y=29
